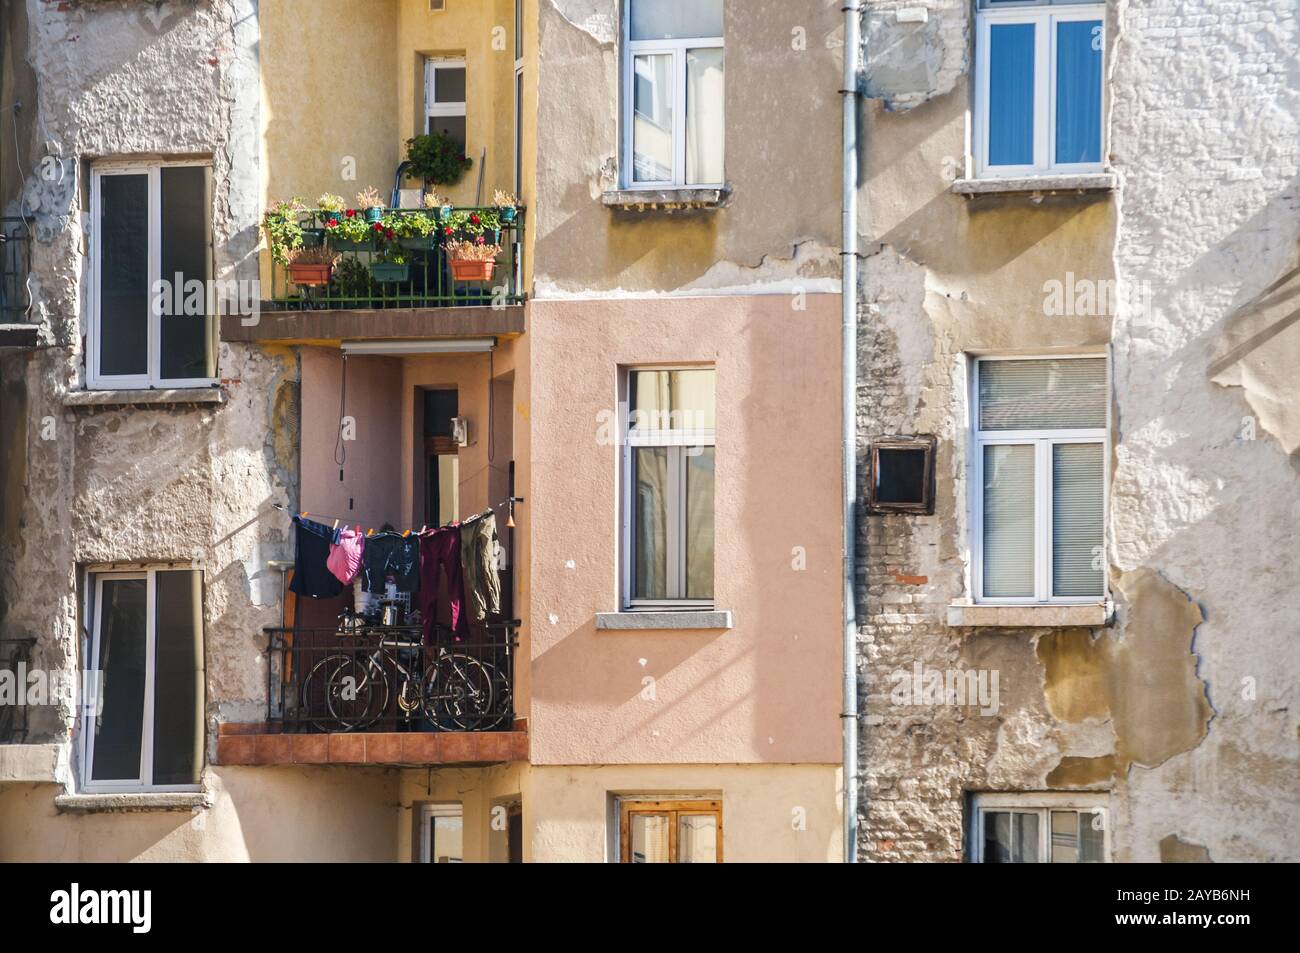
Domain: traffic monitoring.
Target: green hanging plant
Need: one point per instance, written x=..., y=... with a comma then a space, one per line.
x=437, y=158
x=283, y=231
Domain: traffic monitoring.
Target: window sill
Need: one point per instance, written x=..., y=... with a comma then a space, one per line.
x=651, y=621
x=31, y=764
x=144, y=801
x=1028, y=616
x=674, y=199
x=121, y=398
x=1079, y=182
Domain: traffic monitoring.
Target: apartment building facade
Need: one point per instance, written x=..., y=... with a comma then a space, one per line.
x=1076, y=306
x=629, y=396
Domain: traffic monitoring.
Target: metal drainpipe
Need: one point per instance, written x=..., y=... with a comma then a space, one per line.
x=849, y=380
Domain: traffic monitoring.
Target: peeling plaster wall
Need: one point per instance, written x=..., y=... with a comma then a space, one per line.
x=780, y=227
x=1152, y=709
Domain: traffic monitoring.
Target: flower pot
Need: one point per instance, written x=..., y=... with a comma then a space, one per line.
x=389, y=273
x=310, y=275
x=417, y=242
x=339, y=244
x=508, y=214
x=330, y=216
x=372, y=215
x=464, y=269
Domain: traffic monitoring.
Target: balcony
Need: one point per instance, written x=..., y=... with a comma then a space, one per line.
x=376, y=695
x=16, y=327
x=336, y=276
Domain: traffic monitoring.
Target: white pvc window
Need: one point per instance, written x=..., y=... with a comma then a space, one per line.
x=668, y=489
x=1039, y=482
x=674, y=130
x=1065, y=828
x=444, y=98
x=442, y=834
x=152, y=315
x=1039, y=87
x=143, y=697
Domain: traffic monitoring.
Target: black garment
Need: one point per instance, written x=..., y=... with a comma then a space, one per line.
x=391, y=554
x=311, y=575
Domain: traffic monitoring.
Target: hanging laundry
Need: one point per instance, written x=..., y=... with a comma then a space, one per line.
x=345, y=555
x=478, y=553
x=391, y=554
x=311, y=573
x=439, y=554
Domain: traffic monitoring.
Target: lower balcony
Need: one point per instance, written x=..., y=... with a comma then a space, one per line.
x=376, y=695
x=16, y=327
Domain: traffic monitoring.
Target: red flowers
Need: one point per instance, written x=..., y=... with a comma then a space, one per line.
x=389, y=234
x=378, y=226
x=351, y=213
x=331, y=223
x=447, y=230
x=474, y=218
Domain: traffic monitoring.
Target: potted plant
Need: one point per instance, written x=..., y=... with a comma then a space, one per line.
x=349, y=231
x=437, y=159
x=311, y=267
x=507, y=205
x=390, y=264
x=371, y=205
x=331, y=207
x=411, y=229
x=352, y=279
x=283, y=233
x=472, y=260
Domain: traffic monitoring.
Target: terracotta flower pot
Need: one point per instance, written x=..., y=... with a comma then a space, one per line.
x=310, y=275
x=463, y=269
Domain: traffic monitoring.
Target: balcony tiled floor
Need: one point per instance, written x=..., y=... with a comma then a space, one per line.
x=255, y=745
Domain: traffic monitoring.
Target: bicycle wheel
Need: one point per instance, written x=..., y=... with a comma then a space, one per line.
x=502, y=710
x=342, y=693
x=458, y=693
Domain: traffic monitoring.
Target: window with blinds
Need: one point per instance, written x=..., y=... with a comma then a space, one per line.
x=1041, y=459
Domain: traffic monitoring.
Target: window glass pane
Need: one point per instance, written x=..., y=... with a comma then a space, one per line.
x=900, y=475
x=1042, y=395
x=997, y=837
x=1011, y=94
x=119, y=726
x=186, y=349
x=178, y=678
x=672, y=400
x=1078, y=488
x=674, y=19
x=649, y=837
x=449, y=84
x=652, y=118
x=1065, y=837
x=453, y=126
x=699, y=522
x=1092, y=837
x=1024, y=839
x=124, y=275
x=1008, y=554
x=446, y=839
x=704, y=116
x=697, y=839
x=650, y=530
x=1078, y=91
x=448, y=488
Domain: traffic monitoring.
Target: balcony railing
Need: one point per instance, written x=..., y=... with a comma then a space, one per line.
x=382, y=679
x=15, y=658
x=407, y=265
x=15, y=266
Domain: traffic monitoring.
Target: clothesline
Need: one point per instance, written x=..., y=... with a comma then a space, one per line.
x=353, y=521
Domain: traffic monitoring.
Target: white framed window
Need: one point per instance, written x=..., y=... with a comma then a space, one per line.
x=1047, y=828
x=142, y=717
x=152, y=315
x=444, y=97
x=674, y=131
x=1039, y=87
x=1039, y=486
x=442, y=834
x=668, y=488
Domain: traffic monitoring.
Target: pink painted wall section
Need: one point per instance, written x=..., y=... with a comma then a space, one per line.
x=768, y=689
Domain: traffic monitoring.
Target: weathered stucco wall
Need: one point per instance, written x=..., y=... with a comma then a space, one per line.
x=1148, y=709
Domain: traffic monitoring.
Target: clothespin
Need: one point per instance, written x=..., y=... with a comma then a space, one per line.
x=406, y=534
x=304, y=514
x=423, y=528
x=336, y=524
x=370, y=532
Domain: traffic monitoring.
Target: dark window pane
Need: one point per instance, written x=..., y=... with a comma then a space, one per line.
x=900, y=475
x=650, y=529
x=178, y=678
x=1078, y=91
x=186, y=348
x=453, y=126
x=449, y=84
x=1011, y=94
x=119, y=726
x=997, y=837
x=1092, y=837
x=124, y=275
x=1025, y=839
x=439, y=407
x=699, y=522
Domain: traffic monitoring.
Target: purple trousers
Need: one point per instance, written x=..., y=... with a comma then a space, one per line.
x=439, y=555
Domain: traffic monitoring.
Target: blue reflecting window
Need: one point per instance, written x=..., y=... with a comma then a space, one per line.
x=1011, y=94
x=1078, y=91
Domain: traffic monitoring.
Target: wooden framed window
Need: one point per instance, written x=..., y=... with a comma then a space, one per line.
x=902, y=475
x=670, y=831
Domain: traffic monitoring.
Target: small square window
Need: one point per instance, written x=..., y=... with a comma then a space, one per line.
x=902, y=476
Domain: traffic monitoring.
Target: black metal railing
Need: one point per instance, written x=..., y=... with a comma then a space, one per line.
x=381, y=678
x=15, y=266
x=15, y=658
x=367, y=276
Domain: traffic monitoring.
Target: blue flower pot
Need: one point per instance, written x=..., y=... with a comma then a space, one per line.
x=373, y=215
x=389, y=273
x=508, y=214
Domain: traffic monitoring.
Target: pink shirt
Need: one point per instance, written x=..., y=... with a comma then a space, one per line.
x=345, y=555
